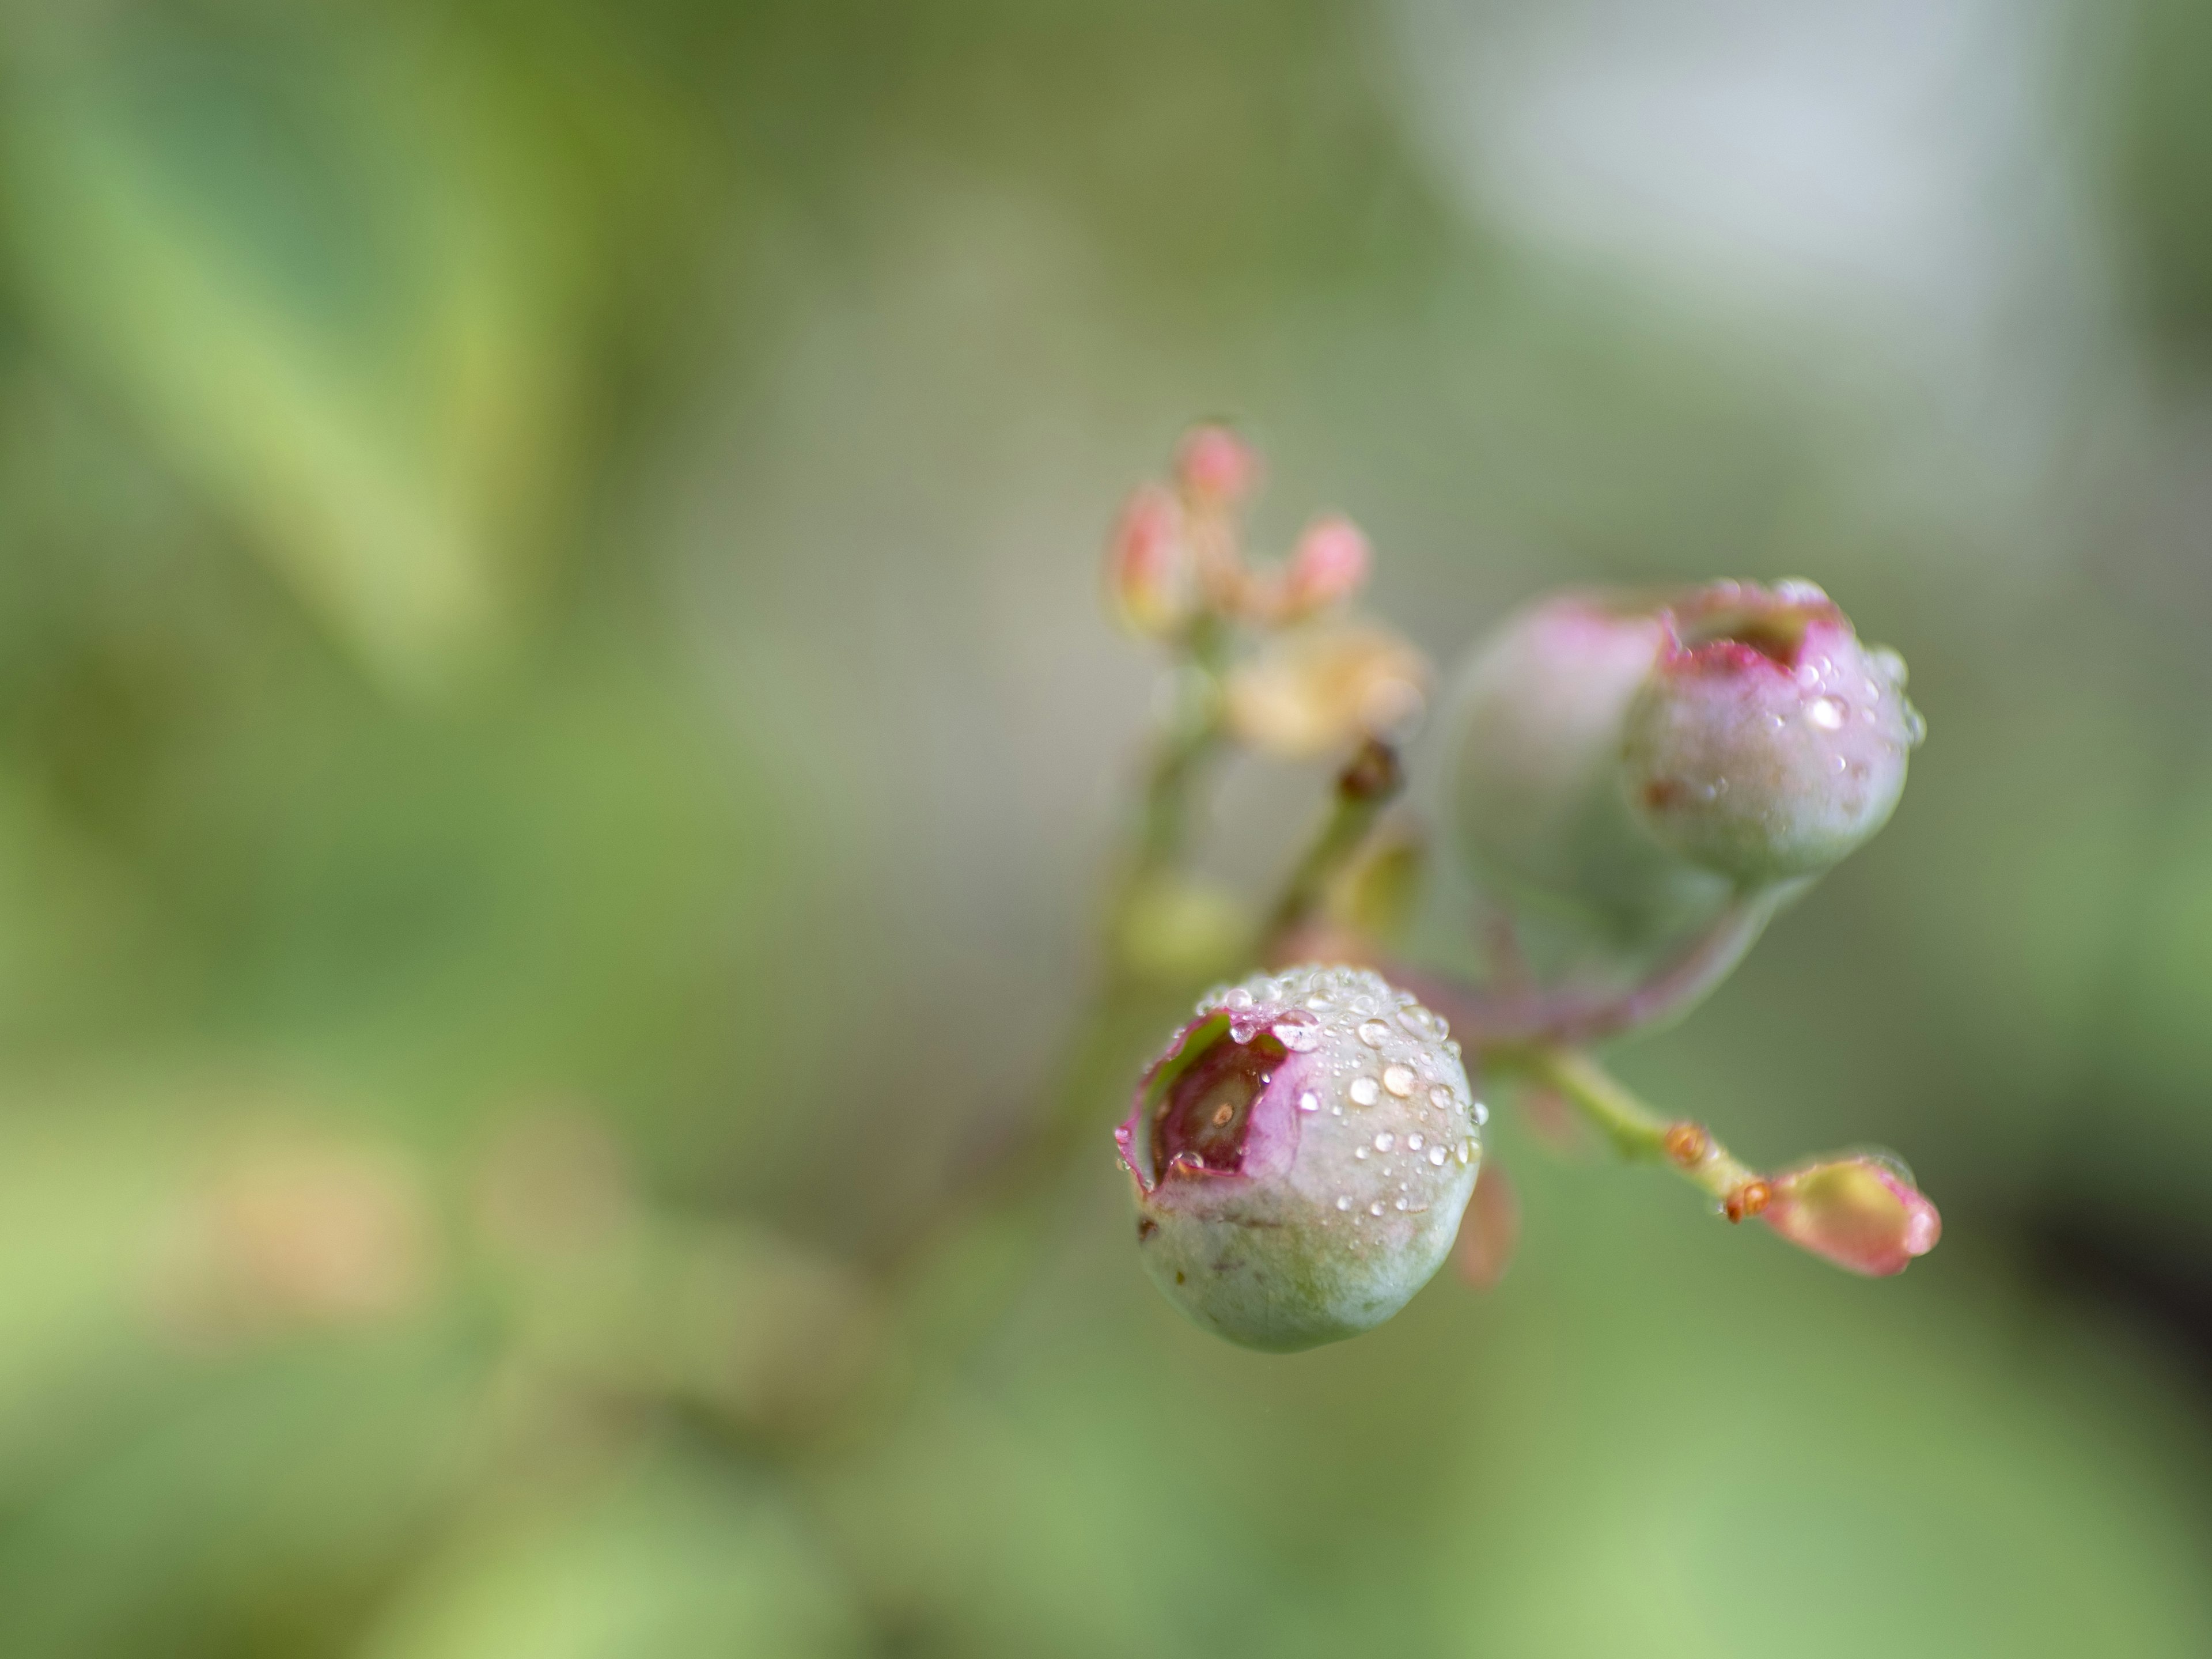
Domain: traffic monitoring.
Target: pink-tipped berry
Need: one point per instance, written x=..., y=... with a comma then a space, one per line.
x=1768, y=741
x=1301, y=1156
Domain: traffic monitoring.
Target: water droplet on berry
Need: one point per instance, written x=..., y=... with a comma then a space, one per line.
x=1364, y=1091
x=1372, y=1032
x=1399, y=1080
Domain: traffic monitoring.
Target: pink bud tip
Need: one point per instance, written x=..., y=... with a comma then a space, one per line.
x=1215, y=466
x=1145, y=560
x=1330, y=564
x=1862, y=1213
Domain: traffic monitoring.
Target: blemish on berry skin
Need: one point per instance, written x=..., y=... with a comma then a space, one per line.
x=1145, y=1228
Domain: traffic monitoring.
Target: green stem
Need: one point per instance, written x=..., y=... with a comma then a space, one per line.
x=1636, y=1130
x=1364, y=788
x=1194, y=733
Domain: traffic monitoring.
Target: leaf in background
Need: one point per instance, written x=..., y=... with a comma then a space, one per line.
x=315, y=271
x=669, y=1561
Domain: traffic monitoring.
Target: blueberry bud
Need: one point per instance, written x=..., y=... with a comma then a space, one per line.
x=1862, y=1212
x=1301, y=1154
x=1768, y=741
x=1534, y=768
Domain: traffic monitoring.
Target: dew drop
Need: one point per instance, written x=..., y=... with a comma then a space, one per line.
x=1364, y=1091
x=1465, y=1155
x=1372, y=1032
x=1309, y=1102
x=1413, y=1143
x=1427, y=1026
x=1359, y=1152
x=1479, y=1113
x=1376, y=1208
x=1401, y=1203
x=1827, y=713
x=1438, y=1155
x=1238, y=998
x=1399, y=1080
x=1385, y=1141
x=1343, y=1203
x=1298, y=1037
x=1441, y=1099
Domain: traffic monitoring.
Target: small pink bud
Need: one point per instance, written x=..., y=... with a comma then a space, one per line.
x=1215, y=467
x=1862, y=1213
x=1329, y=564
x=1146, y=562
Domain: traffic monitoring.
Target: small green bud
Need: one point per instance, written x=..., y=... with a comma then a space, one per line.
x=1301, y=1156
x=1768, y=741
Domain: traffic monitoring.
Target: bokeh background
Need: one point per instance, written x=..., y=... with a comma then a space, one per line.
x=558, y=747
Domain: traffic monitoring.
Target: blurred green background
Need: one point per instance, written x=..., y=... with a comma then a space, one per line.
x=557, y=746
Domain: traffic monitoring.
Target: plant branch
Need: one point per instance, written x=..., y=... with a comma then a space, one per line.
x=1364, y=788
x=1636, y=1130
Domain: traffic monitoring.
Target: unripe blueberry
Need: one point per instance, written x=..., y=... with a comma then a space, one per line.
x=1301, y=1155
x=1768, y=741
x=1534, y=766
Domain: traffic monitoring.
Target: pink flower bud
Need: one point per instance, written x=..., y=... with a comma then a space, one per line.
x=1862, y=1213
x=1329, y=564
x=1146, y=565
x=1215, y=467
x=1301, y=1155
x=1769, y=742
